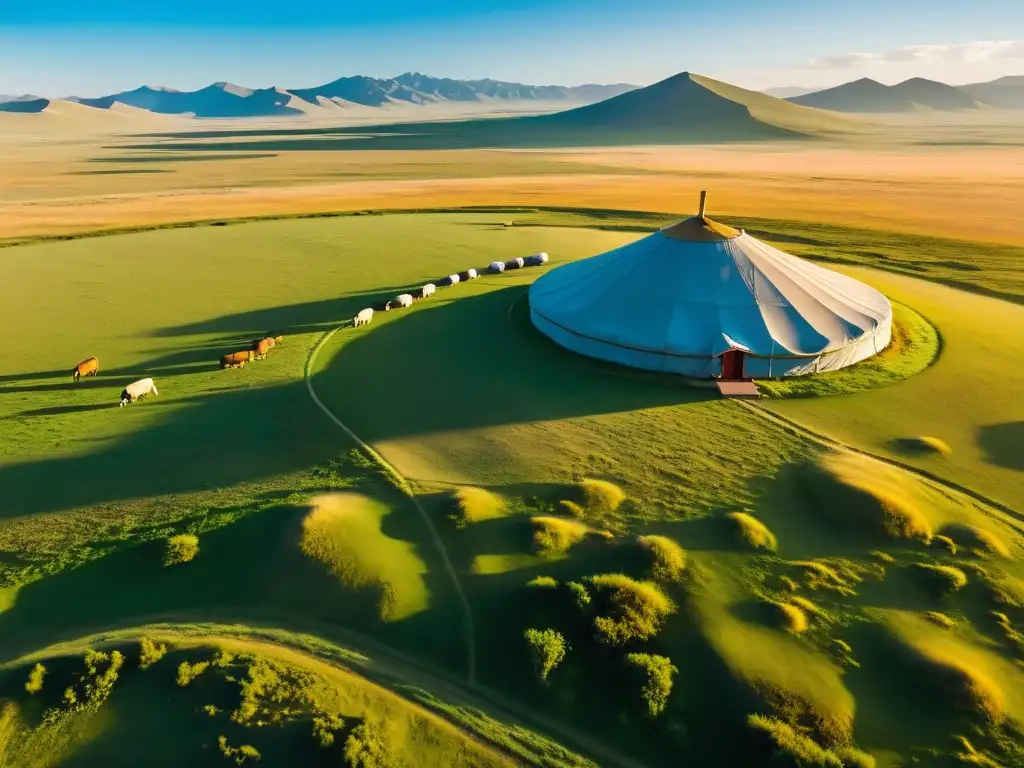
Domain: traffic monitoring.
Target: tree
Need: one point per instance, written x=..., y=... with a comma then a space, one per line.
x=658, y=673
x=547, y=649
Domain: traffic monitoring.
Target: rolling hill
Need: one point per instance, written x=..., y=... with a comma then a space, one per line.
x=870, y=96
x=1004, y=93
x=224, y=99
x=789, y=91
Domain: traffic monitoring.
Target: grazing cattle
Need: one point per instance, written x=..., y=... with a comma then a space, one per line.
x=469, y=274
x=137, y=390
x=536, y=260
x=516, y=263
x=403, y=300
x=237, y=359
x=451, y=280
x=262, y=347
x=89, y=367
x=427, y=290
x=363, y=318
x=496, y=266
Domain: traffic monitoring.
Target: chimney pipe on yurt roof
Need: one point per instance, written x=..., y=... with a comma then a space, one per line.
x=703, y=203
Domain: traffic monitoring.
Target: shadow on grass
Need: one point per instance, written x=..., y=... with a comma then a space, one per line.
x=1003, y=444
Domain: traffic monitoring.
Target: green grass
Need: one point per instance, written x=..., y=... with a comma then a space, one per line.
x=751, y=532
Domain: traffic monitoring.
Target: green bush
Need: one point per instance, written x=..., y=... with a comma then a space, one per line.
x=189, y=672
x=543, y=582
x=793, y=748
x=35, y=679
x=554, y=536
x=600, y=498
x=181, y=549
x=150, y=652
x=668, y=559
x=365, y=748
x=580, y=595
x=239, y=754
x=940, y=580
x=628, y=609
x=473, y=505
x=547, y=650
x=751, y=532
x=572, y=509
x=324, y=728
x=658, y=673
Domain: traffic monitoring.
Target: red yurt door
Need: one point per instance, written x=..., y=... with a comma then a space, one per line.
x=732, y=364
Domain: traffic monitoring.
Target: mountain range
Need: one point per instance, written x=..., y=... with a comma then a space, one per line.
x=870, y=96
x=229, y=100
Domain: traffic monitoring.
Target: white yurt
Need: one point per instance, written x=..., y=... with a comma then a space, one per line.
x=705, y=300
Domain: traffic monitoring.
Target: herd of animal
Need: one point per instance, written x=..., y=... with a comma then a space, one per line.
x=145, y=387
x=365, y=316
x=260, y=348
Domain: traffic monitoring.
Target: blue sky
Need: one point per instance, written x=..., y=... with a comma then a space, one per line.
x=84, y=47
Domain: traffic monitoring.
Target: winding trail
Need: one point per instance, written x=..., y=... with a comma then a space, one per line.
x=469, y=625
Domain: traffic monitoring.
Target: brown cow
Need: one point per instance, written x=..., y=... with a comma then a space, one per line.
x=90, y=367
x=236, y=359
x=262, y=347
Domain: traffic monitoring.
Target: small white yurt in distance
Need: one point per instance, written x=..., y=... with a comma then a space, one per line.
x=702, y=299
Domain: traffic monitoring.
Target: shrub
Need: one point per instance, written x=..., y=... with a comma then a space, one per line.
x=791, y=747
x=35, y=679
x=189, y=672
x=211, y=710
x=940, y=580
x=181, y=549
x=150, y=652
x=600, y=497
x=580, y=595
x=790, y=617
x=658, y=673
x=668, y=559
x=239, y=754
x=222, y=659
x=572, y=509
x=365, y=748
x=547, y=650
x=324, y=728
x=473, y=505
x=543, y=582
x=751, y=532
x=628, y=609
x=553, y=536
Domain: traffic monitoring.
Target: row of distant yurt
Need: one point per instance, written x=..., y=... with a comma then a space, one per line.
x=702, y=299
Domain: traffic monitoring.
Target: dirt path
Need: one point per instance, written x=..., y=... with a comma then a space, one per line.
x=469, y=625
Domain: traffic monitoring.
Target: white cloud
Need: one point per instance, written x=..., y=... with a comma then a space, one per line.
x=978, y=52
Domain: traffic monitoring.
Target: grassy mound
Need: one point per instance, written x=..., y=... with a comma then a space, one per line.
x=978, y=540
x=554, y=536
x=790, y=746
x=343, y=531
x=474, y=505
x=939, y=580
x=751, y=532
x=868, y=496
x=599, y=498
x=667, y=558
x=923, y=445
x=626, y=609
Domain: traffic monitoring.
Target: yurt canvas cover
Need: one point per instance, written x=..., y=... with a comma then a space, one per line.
x=679, y=299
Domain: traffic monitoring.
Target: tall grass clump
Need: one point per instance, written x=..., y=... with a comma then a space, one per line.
x=547, y=650
x=791, y=747
x=658, y=674
x=365, y=748
x=751, y=532
x=181, y=549
x=150, y=652
x=978, y=541
x=627, y=609
x=940, y=580
x=238, y=754
x=554, y=536
x=667, y=558
x=35, y=679
x=189, y=672
x=473, y=505
x=789, y=617
x=600, y=498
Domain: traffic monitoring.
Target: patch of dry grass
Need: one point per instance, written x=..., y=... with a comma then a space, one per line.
x=751, y=532
x=667, y=557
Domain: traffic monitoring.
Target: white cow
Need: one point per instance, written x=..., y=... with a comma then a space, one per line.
x=427, y=290
x=402, y=300
x=363, y=318
x=471, y=274
x=452, y=279
x=137, y=390
x=497, y=266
